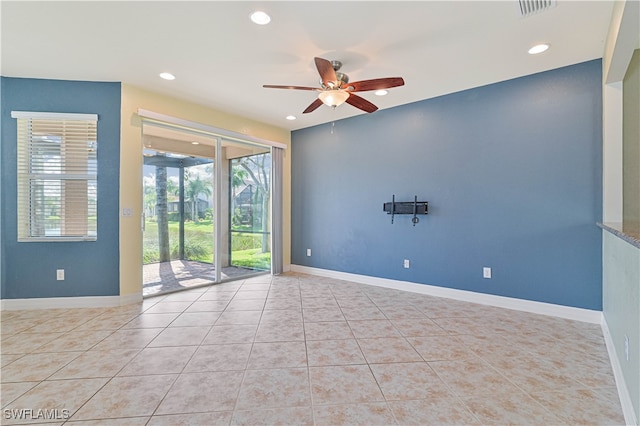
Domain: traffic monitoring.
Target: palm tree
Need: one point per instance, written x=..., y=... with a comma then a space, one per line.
x=150, y=195
x=161, y=212
x=195, y=187
x=172, y=185
x=237, y=179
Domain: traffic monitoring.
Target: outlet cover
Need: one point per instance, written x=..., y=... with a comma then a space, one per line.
x=309, y=252
x=486, y=272
x=626, y=347
x=60, y=274
x=406, y=264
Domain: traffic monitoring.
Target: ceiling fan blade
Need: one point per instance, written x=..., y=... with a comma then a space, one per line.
x=375, y=84
x=361, y=103
x=314, y=105
x=272, y=86
x=327, y=73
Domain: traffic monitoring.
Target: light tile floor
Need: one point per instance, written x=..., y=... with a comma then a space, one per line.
x=298, y=349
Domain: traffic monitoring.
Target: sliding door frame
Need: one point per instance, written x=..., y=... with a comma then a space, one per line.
x=219, y=135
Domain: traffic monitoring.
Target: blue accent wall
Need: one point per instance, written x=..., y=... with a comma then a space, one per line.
x=91, y=268
x=512, y=173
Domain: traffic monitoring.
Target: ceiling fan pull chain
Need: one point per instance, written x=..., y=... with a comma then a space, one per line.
x=333, y=122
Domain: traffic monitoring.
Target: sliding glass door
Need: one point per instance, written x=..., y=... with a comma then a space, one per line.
x=248, y=232
x=207, y=205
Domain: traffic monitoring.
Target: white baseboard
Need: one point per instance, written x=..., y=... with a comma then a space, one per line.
x=69, y=302
x=128, y=299
x=567, y=312
x=630, y=417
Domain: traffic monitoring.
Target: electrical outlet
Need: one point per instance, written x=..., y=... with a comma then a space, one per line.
x=486, y=272
x=308, y=252
x=626, y=347
x=60, y=274
x=406, y=264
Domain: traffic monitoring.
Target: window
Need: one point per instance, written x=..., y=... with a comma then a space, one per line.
x=57, y=176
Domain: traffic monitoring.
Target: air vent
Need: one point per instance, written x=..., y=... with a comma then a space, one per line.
x=531, y=7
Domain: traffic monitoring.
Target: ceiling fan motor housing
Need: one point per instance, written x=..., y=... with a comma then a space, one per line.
x=341, y=78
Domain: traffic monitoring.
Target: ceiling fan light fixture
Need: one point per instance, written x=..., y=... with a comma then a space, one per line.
x=381, y=92
x=333, y=98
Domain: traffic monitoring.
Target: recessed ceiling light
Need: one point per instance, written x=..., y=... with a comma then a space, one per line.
x=259, y=17
x=167, y=76
x=538, y=48
x=290, y=117
x=380, y=92
x=195, y=143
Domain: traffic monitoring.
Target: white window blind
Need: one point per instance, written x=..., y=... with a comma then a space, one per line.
x=57, y=176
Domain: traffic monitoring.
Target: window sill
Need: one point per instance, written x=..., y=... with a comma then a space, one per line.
x=56, y=239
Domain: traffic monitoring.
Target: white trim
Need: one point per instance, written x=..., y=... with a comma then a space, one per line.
x=623, y=392
x=129, y=299
x=215, y=131
x=622, y=39
x=55, y=239
x=217, y=218
x=567, y=312
x=53, y=115
x=69, y=302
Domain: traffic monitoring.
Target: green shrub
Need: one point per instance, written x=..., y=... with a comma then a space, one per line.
x=245, y=247
x=245, y=241
x=150, y=255
x=193, y=251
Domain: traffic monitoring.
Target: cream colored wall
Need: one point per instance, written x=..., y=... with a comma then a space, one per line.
x=631, y=147
x=131, y=169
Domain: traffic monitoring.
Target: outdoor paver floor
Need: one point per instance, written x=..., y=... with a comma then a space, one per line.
x=166, y=277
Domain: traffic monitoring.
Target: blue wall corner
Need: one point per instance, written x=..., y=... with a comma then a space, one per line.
x=512, y=172
x=91, y=268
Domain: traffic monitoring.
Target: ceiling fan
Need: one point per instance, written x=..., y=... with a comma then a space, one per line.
x=335, y=88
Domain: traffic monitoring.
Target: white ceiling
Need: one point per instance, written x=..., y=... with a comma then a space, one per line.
x=221, y=59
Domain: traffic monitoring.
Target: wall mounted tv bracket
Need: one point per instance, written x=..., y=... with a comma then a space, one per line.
x=407, y=207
